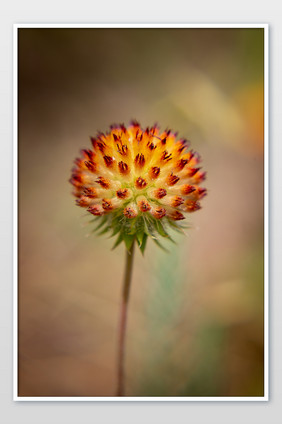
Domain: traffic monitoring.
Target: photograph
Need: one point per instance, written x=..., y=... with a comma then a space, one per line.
x=141, y=218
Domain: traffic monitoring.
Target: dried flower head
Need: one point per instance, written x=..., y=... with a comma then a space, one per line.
x=138, y=183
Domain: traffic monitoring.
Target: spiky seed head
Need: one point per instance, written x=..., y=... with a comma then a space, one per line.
x=139, y=182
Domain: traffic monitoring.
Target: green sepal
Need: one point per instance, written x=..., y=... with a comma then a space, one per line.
x=177, y=227
x=104, y=231
x=140, y=229
x=116, y=230
x=149, y=228
x=102, y=222
x=132, y=226
x=160, y=228
x=128, y=240
x=144, y=242
x=118, y=241
x=139, y=236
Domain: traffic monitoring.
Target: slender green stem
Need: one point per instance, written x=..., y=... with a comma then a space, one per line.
x=123, y=319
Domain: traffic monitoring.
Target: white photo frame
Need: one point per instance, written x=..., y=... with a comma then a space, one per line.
x=264, y=398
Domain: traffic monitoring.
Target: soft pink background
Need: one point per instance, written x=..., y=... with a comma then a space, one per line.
x=196, y=315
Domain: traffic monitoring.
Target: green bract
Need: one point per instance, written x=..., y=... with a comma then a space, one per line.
x=140, y=229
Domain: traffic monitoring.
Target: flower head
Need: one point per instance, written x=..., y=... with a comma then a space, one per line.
x=137, y=182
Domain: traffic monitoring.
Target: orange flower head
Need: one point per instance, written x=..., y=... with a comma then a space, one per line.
x=139, y=182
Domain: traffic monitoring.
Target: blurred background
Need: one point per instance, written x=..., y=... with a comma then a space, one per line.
x=196, y=314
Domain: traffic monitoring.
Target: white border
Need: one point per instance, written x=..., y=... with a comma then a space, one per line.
x=266, y=212
x=266, y=217
x=15, y=215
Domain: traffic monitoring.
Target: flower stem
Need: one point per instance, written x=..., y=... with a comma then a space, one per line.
x=123, y=318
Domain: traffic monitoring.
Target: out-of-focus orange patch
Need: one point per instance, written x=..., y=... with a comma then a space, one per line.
x=250, y=101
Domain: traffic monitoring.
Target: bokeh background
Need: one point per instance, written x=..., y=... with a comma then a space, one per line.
x=196, y=314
